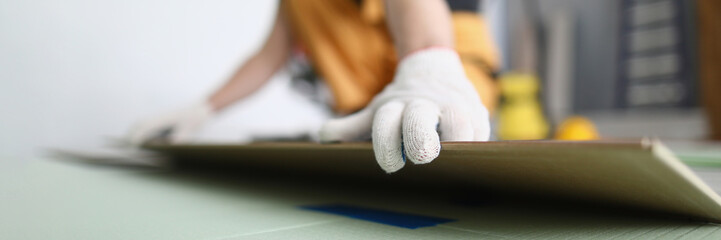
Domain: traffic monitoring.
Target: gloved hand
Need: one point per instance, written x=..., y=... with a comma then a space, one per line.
x=430, y=96
x=177, y=126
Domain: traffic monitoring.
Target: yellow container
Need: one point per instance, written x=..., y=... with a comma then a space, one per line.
x=521, y=116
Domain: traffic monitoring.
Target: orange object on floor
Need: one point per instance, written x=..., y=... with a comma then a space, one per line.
x=577, y=128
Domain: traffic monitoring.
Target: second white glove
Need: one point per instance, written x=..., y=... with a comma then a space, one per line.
x=178, y=126
x=430, y=100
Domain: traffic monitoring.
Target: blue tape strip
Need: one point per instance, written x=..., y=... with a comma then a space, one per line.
x=403, y=150
x=404, y=220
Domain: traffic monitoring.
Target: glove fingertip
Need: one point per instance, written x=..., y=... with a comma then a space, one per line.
x=392, y=168
x=391, y=161
x=426, y=154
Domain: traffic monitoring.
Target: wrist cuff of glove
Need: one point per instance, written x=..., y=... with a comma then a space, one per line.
x=426, y=49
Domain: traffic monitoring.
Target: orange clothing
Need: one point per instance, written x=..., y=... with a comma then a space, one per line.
x=351, y=48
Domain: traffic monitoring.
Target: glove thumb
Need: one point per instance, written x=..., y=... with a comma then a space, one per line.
x=354, y=127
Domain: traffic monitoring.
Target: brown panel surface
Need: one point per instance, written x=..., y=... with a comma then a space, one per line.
x=641, y=174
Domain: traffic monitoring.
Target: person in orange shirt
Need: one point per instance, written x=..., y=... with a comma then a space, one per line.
x=410, y=74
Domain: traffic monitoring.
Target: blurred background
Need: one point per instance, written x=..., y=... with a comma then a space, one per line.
x=75, y=72
x=630, y=66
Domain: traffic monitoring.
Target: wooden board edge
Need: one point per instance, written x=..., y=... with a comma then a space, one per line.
x=672, y=162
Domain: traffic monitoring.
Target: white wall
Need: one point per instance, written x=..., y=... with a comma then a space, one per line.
x=73, y=71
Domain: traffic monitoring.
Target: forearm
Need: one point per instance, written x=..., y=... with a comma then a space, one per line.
x=256, y=71
x=246, y=80
x=418, y=24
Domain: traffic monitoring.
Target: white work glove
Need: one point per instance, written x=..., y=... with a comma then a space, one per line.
x=430, y=95
x=176, y=127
